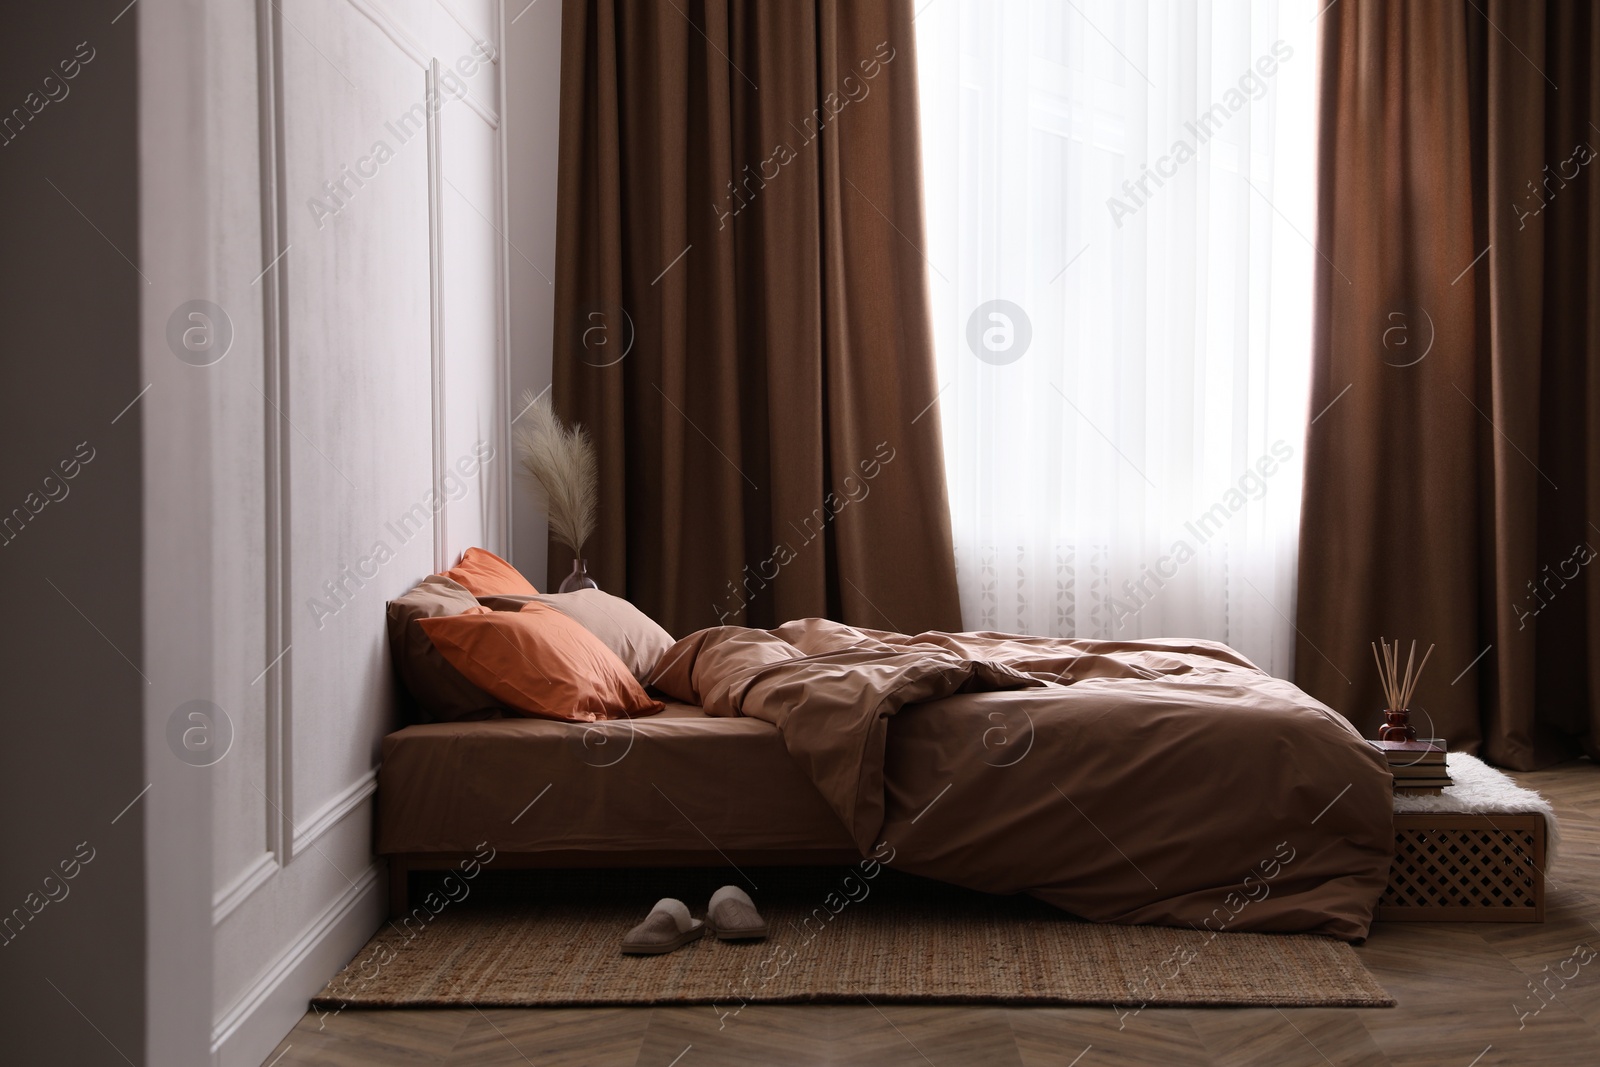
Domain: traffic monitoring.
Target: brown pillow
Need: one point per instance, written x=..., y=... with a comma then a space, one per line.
x=540, y=662
x=636, y=638
x=440, y=690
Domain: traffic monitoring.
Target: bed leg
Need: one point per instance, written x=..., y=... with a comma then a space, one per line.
x=399, y=887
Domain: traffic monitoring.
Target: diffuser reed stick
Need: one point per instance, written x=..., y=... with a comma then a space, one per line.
x=1398, y=685
x=1383, y=675
x=1406, y=697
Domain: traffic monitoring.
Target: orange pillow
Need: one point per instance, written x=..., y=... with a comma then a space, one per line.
x=486, y=574
x=538, y=661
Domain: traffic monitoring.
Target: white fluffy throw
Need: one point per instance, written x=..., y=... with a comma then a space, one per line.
x=1482, y=790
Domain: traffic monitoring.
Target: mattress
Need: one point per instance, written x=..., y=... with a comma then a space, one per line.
x=676, y=781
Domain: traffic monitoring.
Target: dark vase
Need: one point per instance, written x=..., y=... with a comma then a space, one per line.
x=579, y=578
x=1396, y=724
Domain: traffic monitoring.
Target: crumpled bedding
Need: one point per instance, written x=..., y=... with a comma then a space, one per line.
x=1164, y=781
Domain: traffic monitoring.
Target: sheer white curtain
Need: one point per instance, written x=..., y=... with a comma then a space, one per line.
x=1119, y=202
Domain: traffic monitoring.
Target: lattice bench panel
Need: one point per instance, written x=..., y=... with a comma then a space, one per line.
x=1466, y=868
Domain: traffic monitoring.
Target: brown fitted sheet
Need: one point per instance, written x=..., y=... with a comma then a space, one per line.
x=679, y=780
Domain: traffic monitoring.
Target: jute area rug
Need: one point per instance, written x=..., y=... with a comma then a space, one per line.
x=543, y=939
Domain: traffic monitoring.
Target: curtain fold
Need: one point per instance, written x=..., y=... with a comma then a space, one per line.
x=1453, y=473
x=741, y=315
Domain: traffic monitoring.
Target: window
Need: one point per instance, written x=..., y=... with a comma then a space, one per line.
x=1119, y=207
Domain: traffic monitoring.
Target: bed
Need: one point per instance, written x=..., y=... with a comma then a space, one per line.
x=634, y=792
x=1167, y=782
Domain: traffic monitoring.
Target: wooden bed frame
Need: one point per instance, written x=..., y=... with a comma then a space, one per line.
x=401, y=865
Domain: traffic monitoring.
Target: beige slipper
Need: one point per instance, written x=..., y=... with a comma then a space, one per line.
x=667, y=927
x=732, y=916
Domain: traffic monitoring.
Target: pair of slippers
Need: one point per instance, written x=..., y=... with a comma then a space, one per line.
x=731, y=916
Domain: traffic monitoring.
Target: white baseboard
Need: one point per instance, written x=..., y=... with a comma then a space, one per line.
x=246, y=1034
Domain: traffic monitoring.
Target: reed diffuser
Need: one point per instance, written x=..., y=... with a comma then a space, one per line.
x=1398, y=688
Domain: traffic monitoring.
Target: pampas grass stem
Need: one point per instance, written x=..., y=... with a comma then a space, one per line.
x=561, y=465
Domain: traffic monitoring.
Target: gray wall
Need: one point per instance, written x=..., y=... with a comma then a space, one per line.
x=72, y=651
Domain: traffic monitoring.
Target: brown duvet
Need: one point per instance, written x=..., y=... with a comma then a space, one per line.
x=1158, y=781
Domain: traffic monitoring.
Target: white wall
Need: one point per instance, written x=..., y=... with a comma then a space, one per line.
x=290, y=482
x=532, y=114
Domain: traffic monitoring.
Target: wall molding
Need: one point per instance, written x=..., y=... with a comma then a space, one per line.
x=503, y=295
x=303, y=967
x=436, y=318
x=334, y=811
x=276, y=454
x=477, y=38
x=392, y=29
x=253, y=877
x=401, y=38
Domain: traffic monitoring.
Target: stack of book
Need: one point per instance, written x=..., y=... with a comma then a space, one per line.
x=1418, y=766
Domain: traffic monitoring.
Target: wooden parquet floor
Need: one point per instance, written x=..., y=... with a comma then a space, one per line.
x=1465, y=993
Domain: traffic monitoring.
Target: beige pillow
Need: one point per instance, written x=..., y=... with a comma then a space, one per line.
x=636, y=638
x=441, y=691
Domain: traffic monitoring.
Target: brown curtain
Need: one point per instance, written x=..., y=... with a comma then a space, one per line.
x=1453, y=462
x=740, y=213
